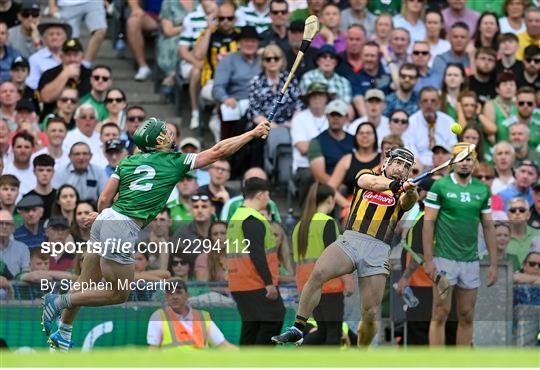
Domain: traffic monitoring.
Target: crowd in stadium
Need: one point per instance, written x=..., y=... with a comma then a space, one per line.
x=379, y=75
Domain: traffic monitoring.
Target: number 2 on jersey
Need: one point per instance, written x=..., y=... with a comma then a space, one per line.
x=150, y=174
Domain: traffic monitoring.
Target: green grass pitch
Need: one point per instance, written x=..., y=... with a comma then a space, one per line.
x=281, y=357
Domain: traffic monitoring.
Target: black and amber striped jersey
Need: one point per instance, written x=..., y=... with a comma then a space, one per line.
x=374, y=213
x=220, y=45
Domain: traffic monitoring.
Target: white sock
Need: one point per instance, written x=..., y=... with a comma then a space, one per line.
x=65, y=330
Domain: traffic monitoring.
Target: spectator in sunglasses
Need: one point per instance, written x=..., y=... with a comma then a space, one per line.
x=521, y=234
x=65, y=109
x=530, y=272
x=25, y=37
x=277, y=32
x=526, y=174
x=530, y=76
x=404, y=97
x=189, y=235
x=135, y=115
x=100, y=81
x=116, y=103
x=486, y=173
x=421, y=57
x=527, y=114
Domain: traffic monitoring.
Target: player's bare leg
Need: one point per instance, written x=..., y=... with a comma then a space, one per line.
x=332, y=263
x=465, y=303
x=113, y=272
x=90, y=271
x=371, y=295
x=439, y=315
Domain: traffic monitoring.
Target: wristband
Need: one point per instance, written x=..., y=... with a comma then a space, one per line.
x=395, y=186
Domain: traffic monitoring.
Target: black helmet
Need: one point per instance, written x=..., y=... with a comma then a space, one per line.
x=402, y=153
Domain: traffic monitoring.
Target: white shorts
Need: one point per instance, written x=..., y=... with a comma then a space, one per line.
x=185, y=69
x=465, y=275
x=369, y=255
x=93, y=13
x=119, y=230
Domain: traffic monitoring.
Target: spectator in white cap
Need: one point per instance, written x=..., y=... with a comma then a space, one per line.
x=25, y=36
x=327, y=149
x=375, y=104
x=193, y=145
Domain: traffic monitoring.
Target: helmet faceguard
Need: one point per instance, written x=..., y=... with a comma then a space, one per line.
x=153, y=135
x=402, y=154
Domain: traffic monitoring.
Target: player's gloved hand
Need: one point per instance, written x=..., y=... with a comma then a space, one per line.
x=90, y=220
x=271, y=292
x=396, y=186
x=492, y=275
x=262, y=129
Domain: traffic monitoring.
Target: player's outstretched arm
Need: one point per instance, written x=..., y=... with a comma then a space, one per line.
x=228, y=147
x=106, y=198
x=374, y=183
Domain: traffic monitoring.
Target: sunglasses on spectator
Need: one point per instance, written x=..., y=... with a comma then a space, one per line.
x=178, y=263
x=533, y=264
x=101, y=78
x=230, y=19
x=114, y=100
x=420, y=52
x=272, y=59
x=65, y=99
x=517, y=209
x=485, y=177
x=533, y=60
x=276, y=12
x=407, y=77
x=135, y=118
x=196, y=198
x=30, y=13
x=400, y=121
x=528, y=103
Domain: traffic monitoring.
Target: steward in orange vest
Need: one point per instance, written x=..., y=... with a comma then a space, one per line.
x=180, y=327
x=253, y=267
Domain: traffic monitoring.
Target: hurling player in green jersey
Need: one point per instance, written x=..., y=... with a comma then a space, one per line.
x=454, y=206
x=141, y=185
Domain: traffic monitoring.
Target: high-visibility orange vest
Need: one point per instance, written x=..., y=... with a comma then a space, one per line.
x=305, y=265
x=243, y=275
x=419, y=278
x=175, y=334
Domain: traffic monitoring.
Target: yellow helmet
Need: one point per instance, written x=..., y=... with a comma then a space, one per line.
x=463, y=146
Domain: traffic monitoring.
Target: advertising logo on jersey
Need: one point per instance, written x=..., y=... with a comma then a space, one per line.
x=380, y=199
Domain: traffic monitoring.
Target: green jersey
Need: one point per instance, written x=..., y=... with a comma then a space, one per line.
x=460, y=207
x=100, y=107
x=147, y=180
